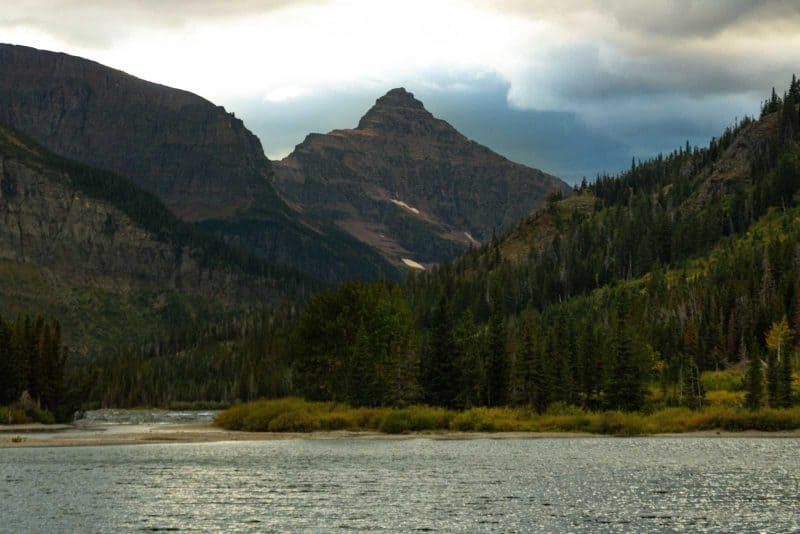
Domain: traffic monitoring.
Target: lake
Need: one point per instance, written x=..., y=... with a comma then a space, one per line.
x=602, y=484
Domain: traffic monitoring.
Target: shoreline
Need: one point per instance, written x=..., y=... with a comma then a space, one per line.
x=35, y=436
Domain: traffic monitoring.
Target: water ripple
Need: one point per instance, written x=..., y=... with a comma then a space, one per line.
x=420, y=484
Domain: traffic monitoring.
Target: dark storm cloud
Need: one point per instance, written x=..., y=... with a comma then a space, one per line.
x=673, y=18
x=594, y=73
x=597, y=52
x=698, y=17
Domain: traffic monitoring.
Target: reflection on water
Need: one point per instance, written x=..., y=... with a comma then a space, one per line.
x=480, y=485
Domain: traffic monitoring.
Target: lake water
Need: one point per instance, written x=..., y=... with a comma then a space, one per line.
x=648, y=484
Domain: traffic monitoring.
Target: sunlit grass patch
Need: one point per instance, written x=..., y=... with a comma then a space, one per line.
x=728, y=380
x=726, y=398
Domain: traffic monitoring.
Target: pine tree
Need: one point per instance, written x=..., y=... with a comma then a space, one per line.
x=439, y=368
x=9, y=367
x=625, y=390
x=525, y=361
x=360, y=376
x=471, y=372
x=497, y=372
x=785, y=381
x=755, y=382
x=542, y=381
x=794, y=89
x=587, y=378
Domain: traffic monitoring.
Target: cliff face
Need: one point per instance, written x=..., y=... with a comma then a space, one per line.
x=49, y=224
x=410, y=184
x=198, y=159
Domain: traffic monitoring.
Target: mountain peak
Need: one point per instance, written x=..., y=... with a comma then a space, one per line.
x=399, y=97
x=396, y=109
x=408, y=184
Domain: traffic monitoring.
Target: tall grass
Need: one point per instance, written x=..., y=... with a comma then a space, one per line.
x=296, y=415
x=14, y=415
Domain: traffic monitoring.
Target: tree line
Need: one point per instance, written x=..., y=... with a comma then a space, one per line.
x=32, y=362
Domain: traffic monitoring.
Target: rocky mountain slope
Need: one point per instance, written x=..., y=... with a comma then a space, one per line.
x=109, y=259
x=198, y=159
x=410, y=184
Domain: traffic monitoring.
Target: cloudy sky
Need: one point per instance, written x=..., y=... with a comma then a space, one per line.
x=571, y=87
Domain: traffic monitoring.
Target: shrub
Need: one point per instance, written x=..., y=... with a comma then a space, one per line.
x=261, y=413
x=563, y=423
x=468, y=421
x=767, y=419
x=395, y=422
x=428, y=418
x=619, y=423
x=721, y=380
x=12, y=416
x=562, y=408
x=233, y=418
x=370, y=418
x=43, y=416
x=296, y=421
x=726, y=398
x=335, y=421
x=415, y=418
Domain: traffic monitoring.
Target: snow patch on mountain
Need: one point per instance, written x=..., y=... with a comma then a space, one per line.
x=402, y=204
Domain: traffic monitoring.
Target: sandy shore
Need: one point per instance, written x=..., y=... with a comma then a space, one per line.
x=77, y=436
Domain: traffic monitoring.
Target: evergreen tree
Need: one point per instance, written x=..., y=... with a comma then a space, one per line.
x=525, y=361
x=692, y=392
x=360, y=374
x=542, y=380
x=9, y=367
x=497, y=372
x=625, y=389
x=778, y=384
x=755, y=382
x=439, y=367
x=469, y=348
x=785, y=381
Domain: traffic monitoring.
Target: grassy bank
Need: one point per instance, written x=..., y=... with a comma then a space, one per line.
x=297, y=415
